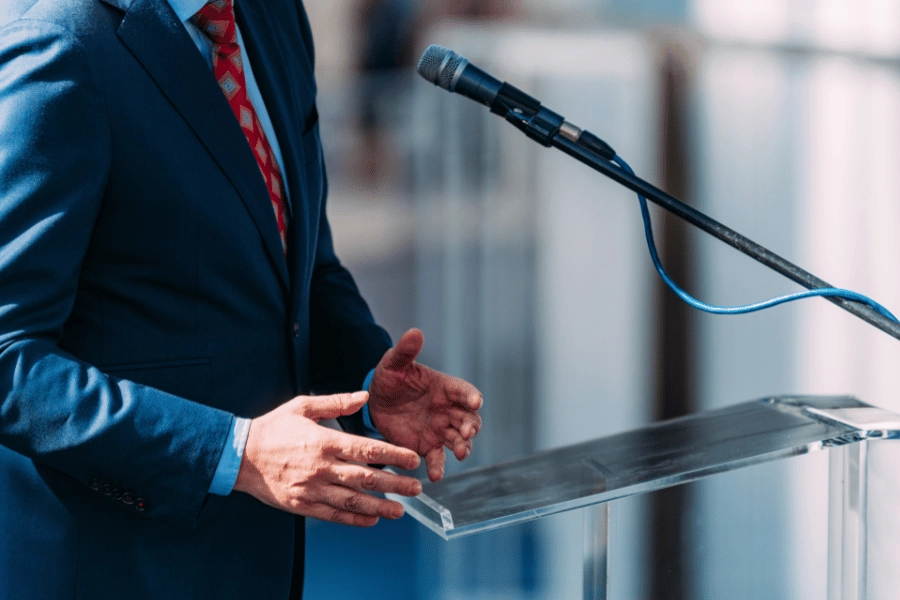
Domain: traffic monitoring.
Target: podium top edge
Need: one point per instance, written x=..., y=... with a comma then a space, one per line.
x=641, y=460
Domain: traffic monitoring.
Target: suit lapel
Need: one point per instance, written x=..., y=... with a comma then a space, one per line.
x=158, y=40
x=286, y=90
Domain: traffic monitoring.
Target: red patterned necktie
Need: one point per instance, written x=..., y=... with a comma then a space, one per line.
x=216, y=21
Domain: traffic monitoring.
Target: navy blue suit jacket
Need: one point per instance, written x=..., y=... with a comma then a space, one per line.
x=145, y=299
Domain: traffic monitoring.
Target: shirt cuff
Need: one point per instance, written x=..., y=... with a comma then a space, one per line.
x=230, y=463
x=366, y=417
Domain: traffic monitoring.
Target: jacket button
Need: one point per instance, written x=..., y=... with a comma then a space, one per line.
x=107, y=490
x=296, y=329
x=96, y=484
x=117, y=494
x=140, y=504
x=128, y=498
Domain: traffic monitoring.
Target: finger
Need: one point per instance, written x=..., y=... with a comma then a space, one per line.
x=468, y=423
x=454, y=441
x=331, y=407
x=375, y=480
x=462, y=449
x=345, y=499
x=463, y=393
x=364, y=450
x=325, y=512
x=405, y=352
x=435, y=461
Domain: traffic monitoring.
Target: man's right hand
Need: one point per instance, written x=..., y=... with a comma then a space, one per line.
x=292, y=463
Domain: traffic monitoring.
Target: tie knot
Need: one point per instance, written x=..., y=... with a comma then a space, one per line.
x=216, y=21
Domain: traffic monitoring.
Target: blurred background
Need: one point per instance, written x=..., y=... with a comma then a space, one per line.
x=529, y=275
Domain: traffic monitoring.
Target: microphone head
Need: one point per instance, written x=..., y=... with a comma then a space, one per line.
x=439, y=65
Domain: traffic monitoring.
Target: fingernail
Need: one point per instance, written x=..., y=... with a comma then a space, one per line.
x=359, y=395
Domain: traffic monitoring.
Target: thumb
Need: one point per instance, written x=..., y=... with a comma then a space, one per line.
x=405, y=352
x=331, y=407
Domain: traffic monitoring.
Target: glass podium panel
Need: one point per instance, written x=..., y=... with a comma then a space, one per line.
x=643, y=460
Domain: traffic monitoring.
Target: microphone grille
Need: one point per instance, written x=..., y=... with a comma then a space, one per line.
x=430, y=65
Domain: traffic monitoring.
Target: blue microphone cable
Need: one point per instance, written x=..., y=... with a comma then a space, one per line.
x=748, y=308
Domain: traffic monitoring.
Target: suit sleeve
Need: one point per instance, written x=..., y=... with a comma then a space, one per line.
x=55, y=409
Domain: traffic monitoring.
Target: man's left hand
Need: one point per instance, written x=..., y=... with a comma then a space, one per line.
x=423, y=409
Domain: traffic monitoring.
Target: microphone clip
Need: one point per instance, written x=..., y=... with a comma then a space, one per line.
x=535, y=121
x=540, y=127
x=527, y=114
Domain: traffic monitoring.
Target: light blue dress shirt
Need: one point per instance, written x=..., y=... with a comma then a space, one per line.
x=367, y=418
x=230, y=462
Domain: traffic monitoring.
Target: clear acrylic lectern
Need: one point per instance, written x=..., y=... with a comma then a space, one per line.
x=590, y=474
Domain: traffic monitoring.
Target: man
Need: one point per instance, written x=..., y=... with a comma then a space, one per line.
x=170, y=298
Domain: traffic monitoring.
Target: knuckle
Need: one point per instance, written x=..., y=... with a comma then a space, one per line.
x=320, y=446
x=371, y=454
x=352, y=502
x=301, y=405
x=340, y=477
x=336, y=402
x=369, y=481
x=317, y=471
x=337, y=516
x=296, y=504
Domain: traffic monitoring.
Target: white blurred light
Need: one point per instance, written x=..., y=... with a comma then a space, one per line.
x=760, y=21
x=883, y=26
x=573, y=54
x=869, y=26
x=864, y=26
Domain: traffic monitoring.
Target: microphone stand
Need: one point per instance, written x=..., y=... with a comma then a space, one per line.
x=548, y=129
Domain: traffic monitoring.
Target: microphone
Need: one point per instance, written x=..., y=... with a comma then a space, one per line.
x=450, y=71
x=454, y=73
